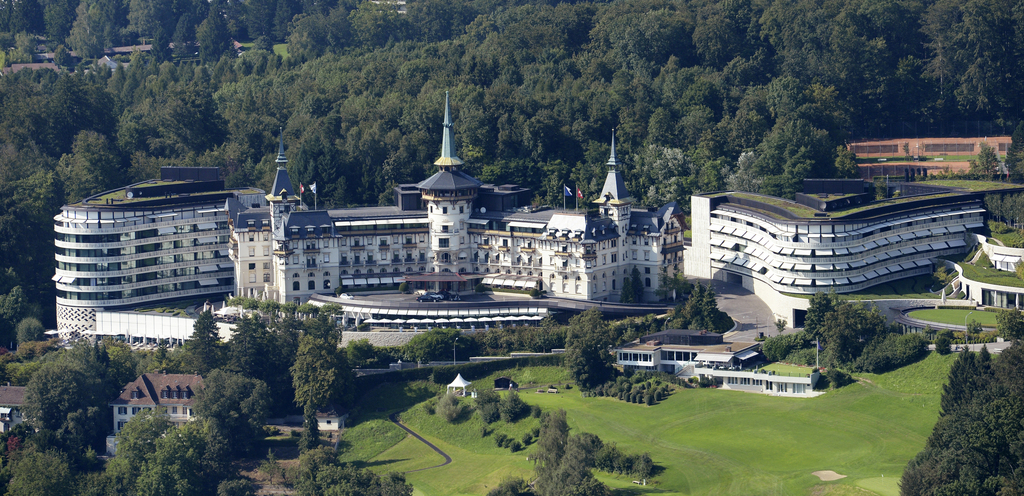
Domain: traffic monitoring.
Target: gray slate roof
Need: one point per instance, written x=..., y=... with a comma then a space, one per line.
x=282, y=182
x=449, y=180
x=614, y=187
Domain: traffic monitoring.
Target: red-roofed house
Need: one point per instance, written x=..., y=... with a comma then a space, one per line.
x=175, y=393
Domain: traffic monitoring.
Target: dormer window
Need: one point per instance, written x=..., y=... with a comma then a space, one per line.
x=251, y=224
x=266, y=223
x=135, y=395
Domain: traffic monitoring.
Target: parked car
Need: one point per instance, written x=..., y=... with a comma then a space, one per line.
x=346, y=296
x=430, y=298
x=420, y=292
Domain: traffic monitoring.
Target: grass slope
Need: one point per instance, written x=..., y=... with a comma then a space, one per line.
x=710, y=441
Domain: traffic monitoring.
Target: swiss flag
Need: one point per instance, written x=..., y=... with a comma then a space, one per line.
x=579, y=194
x=302, y=189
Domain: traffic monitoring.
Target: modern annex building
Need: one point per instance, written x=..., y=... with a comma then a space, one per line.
x=833, y=237
x=152, y=241
x=452, y=232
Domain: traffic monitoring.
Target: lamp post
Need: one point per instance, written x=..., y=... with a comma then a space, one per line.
x=453, y=350
x=966, y=331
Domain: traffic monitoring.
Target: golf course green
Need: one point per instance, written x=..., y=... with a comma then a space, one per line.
x=703, y=441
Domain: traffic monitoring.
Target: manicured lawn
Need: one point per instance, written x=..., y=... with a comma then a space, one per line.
x=991, y=276
x=281, y=49
x=956, y=317
x=707, y=441
x=786, y=369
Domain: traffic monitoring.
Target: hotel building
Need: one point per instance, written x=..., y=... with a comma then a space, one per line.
x=146, y=243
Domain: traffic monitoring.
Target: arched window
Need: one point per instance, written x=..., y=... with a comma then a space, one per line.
x=295, y=286
x=295, y=275
x=327, y=284
x=613, y=284
x=369, y=271
x=356, y=272
x=327, y=274
x=311, y=285
x=311, y=275
x=344, y=272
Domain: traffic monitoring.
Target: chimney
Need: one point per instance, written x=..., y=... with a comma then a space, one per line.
x=728, y=348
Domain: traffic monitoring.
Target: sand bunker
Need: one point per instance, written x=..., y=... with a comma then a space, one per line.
x=828, y=475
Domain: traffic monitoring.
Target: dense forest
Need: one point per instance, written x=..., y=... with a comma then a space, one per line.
x=704, y=95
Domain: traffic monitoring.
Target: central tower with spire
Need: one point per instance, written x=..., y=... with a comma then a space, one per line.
x=448, y=196
x=615, y=201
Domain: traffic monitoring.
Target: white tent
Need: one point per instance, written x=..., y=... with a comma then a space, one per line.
x=458, y=383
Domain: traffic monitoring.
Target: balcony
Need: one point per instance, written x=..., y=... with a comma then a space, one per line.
x=358, y=247
x=503, y=249
x=311, y=265
x=590, y=256
x=484, y=247
x=344, y=263
x=562, y=253
x=527, y=249
x=410, y=260
x=409, y=245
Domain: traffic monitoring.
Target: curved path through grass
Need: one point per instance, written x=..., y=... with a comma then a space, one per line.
x=447, y=459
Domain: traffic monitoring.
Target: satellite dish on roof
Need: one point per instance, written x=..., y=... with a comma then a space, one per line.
x=129, y=195
x=483, y=210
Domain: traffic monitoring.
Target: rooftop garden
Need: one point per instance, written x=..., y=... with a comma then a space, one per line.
x=917, y=287
x=972, y=186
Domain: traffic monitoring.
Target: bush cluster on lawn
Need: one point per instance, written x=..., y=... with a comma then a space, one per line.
x=779, y=348
x=642, y=387
x=890, y=352
x=449, y=407
x=612, y=460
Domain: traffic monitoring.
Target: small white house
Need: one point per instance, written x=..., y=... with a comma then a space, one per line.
x=331, y=418
x=174, y=394
x=12, y=399
x=761, y=381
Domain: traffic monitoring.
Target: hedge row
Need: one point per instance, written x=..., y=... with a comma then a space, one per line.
x=445, y=374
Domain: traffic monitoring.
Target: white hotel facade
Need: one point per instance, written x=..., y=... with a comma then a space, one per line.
x=450, y=232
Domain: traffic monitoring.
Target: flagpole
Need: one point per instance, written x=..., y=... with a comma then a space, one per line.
x=577, y=196
x=563, y=196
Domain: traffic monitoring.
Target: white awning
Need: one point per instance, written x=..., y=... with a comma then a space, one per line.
x=823, y=252
x=713, y=357
x=163, y=231
x=842, y=251
x=519, y=284
x=206, y=226
x=66, y=280
x=358, y=282
x=802, y=267
x=372, y=280
x=957, y=243
x=922, y=234
x=209, y=211
x=842, y=266
x=940, y=230
x=162, y=216
x=527, y=225
x=477, y=221
x=922, y=263
x=488, y=280
x=747, y=354
x=208, y=282
x=5, y=410
x=225, y=266
x=208, y=268
x=531, y=284
x=802, y=282
x=223, y=253
x=56, y=277
x=974, y=225
x=842, y=280
x=207, y=240
x=856, y=279
x=787, y=251
x=956, y=229
x=870, y=245
x=939, y=246
x=802, y=253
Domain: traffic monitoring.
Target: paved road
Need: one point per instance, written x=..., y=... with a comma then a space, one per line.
x=746, y=309
x=447, y=459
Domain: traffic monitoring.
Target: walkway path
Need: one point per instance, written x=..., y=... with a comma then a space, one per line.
x=447, y=459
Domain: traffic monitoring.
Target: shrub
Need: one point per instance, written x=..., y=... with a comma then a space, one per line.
x=779, y=347
x=429, y=406
x=535, y=293
x=511, y=487
x=535, y=432
x=511, y=407
x=501, y=440
x=527, y=439
x=649, y=399
x=805, y=356
x=484, y=431
x=837, y=378
x=404, y=287
x=891, y=352
x=943, y=340
x=487, y=404
x=269, y=430
x=535, y=411
x=449, y=407
x=480, y=288
x=515, y=446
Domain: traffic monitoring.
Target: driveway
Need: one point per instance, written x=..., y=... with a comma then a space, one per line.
x=746, y=309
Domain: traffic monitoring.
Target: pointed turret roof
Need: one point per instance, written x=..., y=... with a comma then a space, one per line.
x=281, y=159
x=448, y=158
x=614, y=184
